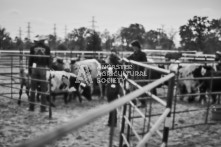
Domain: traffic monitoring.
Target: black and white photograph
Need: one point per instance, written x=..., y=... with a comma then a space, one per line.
x=110, y=73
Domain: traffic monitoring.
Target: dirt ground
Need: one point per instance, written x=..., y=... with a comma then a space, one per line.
x=18, y=125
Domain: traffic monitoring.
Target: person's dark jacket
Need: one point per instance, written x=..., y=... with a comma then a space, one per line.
x=39, y=49
x=139, y=57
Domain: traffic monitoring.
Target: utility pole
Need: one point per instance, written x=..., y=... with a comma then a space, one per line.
x=20, y=33
x=29, y=31
x=93, y=23
x=65, y=37
x=55, y=34
x=65, y=32
x=159, y=37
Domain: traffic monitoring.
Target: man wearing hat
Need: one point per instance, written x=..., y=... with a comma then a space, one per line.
x=139, y=56
x=39, y=61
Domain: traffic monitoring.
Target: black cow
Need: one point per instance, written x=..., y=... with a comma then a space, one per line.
x=209, y=84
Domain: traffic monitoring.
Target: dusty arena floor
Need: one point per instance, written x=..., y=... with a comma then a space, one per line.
x=18, y=125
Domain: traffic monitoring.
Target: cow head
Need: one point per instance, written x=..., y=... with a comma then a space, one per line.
x=113, y=59
x=203, y=71
x=60, y=64
x=82, y=88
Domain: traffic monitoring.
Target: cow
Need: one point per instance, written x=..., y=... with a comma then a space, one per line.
x=61, y=82
x=208, y=85
x=92, y=69
x=187, y=85
x=65, y=82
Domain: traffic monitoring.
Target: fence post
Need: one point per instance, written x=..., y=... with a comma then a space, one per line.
x=122, y=125
x=169, y=105
x=11, y=76
x=50, y=111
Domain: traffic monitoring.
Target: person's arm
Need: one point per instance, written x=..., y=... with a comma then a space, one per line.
x=130, y=57
x=144, y=58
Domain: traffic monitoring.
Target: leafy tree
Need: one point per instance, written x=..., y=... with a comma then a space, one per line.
x=193, y=34
x=152, y=39
x=133, y=32
x=62, y=47
x=5, y=39
x=107, y=40
x=77, y=39
x=213, y=39
x=93, y=41
x=52, y=41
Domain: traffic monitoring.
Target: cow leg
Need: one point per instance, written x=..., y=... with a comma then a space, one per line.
x=189, y=91
x=38, y=94
x=202, y=98
x=66, y=98
x=213, y=98
x=20, y=94
x=92, y=88
x=101, y=90
x=181, y=90
x=79, y=96
x=27, y=92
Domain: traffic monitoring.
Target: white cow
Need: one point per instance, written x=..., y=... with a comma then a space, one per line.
x=61, y=82
x=89, y=70
x=189, y=85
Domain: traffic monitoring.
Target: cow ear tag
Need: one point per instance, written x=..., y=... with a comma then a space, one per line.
x=34, y=65
x=82, y=84
x=113, y=86
x=72, y=89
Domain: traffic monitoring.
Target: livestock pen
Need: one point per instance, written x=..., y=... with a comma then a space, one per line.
x=138, y=122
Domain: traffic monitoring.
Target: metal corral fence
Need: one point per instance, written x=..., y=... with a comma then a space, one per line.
x=129, y=133
x=92, y=115
x=14, y=77
x=157, y=55
x=184, y=114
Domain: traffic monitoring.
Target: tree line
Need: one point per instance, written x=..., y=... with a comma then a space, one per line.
x=199, y=33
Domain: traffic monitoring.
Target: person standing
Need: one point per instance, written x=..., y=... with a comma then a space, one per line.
x=113, y=86
x=39, y=62
x=139, y=56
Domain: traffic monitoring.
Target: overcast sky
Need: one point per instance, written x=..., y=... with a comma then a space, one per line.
x=109, y=14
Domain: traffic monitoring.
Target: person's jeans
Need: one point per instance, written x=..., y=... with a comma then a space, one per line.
x=38, y=74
